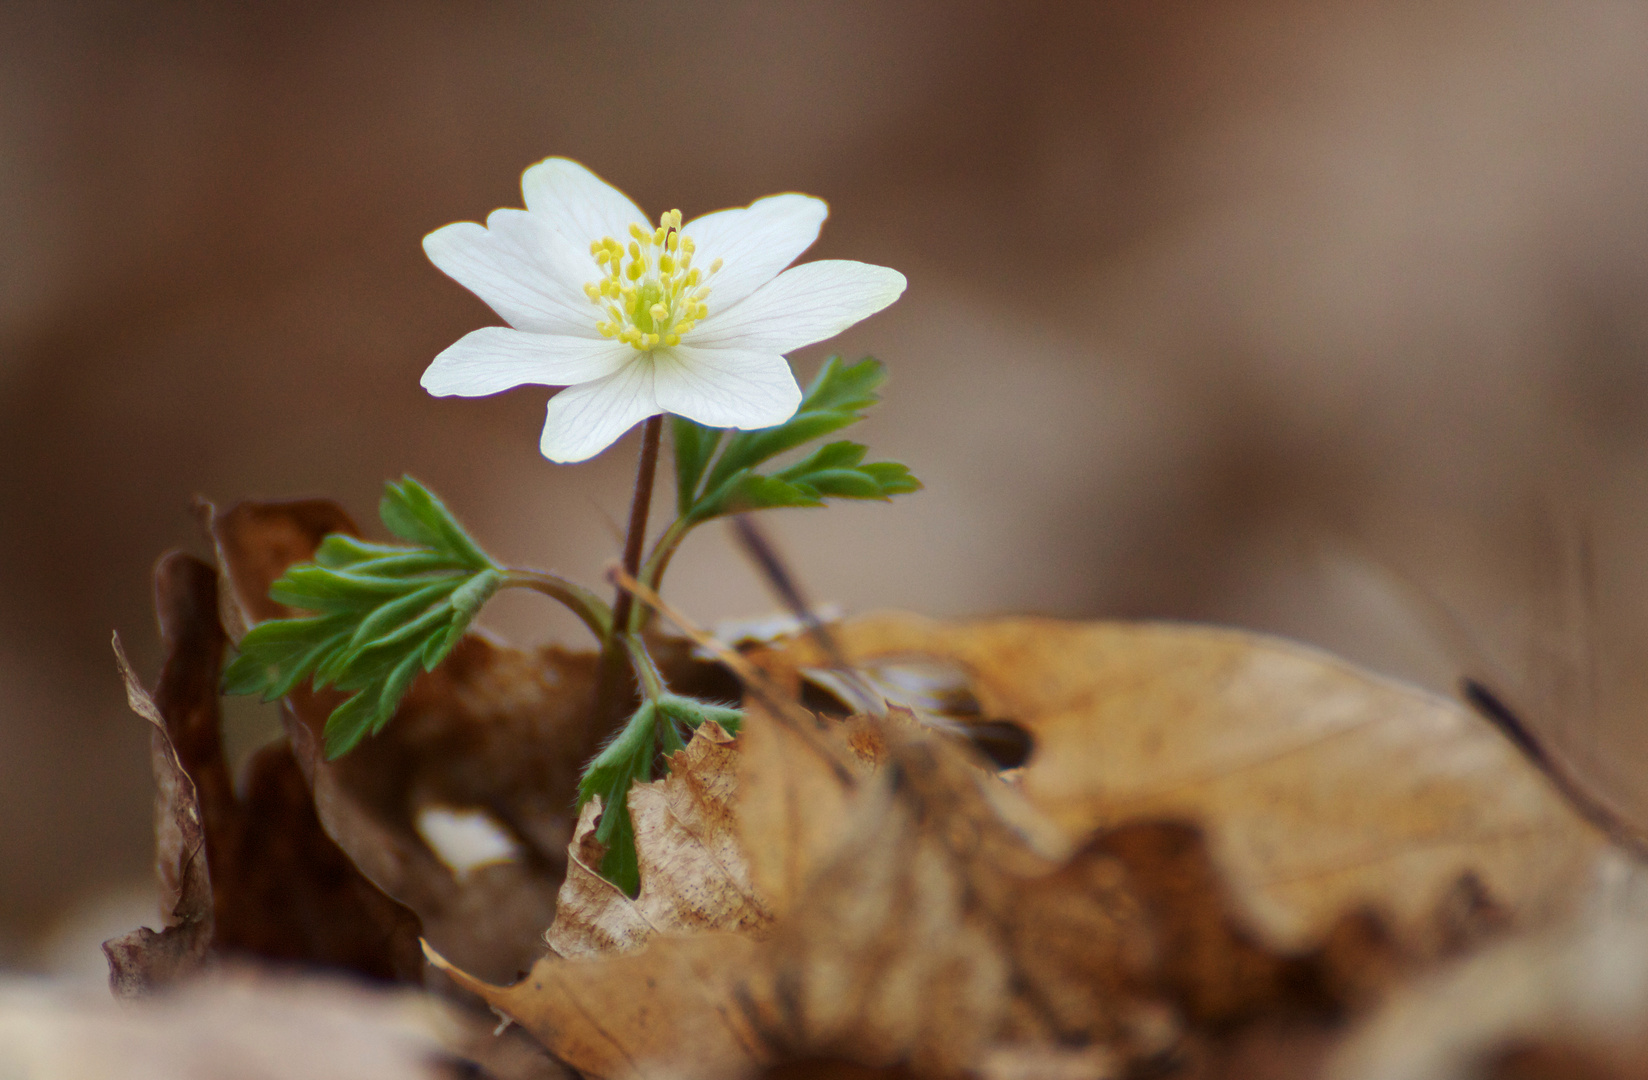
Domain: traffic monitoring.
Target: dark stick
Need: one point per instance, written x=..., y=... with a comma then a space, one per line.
x=760, y=549
x=611, y=688
x=1493, y=708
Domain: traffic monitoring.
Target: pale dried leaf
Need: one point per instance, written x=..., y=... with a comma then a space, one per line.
x=228, y=1025
x=944, y=928
x=1322, y=788
x=792, y=805
x=668, y=1011
x=693, y=874
x=936, y=929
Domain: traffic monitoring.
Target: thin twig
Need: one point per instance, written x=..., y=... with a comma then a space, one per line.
x=761, y=551
x=1493, y=708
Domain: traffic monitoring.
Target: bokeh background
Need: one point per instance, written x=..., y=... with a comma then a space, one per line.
x=1323, y=317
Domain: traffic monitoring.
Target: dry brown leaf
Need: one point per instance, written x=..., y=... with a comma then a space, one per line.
x=258, y=876
x=668, y=1010
x=1322, y=789
x=940, y=925
x=144, y=959
x=693, y=874
x=792, y=804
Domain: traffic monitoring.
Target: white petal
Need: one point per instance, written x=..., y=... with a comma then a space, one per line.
x=726, y=387
x=522, y=270
x=496, y=358
x=586, y=419
x=754, y=242
x=578, y=204
x=804, y=304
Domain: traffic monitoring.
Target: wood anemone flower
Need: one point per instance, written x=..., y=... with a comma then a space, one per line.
x=636, y=320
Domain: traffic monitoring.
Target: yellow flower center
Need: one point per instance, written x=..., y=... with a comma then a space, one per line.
x=650, y=292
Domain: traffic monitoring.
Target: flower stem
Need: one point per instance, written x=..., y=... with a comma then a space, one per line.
x=613, y=689
x=652, y=680
x=591, y=609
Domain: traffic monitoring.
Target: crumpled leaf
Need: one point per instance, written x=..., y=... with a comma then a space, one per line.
x=493, y=729
x=670, y=1010
x=144, y=959
x=693, y=873
x=1322, y=789
x=940, y=923
x=258, y=876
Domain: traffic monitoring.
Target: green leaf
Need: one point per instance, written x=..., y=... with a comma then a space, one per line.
x=837, y=397
x=831, y=471
x=385, y=612
x=690, y=712
x=411, y=512
x=627, y=760
x=622, y=762
x=694, y=446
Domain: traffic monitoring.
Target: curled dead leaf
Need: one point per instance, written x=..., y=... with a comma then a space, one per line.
x=255, y=876
x=144, y=959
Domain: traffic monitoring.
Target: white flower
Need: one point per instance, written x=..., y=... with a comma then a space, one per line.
x=637, y=320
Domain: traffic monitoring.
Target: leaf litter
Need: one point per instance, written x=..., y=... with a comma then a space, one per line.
x=1227, y=855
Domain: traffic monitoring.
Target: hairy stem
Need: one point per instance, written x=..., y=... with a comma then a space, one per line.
x=589, y=608
x=614, y=687
x=652, y=681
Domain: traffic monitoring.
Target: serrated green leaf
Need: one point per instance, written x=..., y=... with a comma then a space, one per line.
x=837, y=397
x=395, y=617
x=413, y=513
x=844, y=484
x=469, y=597
x=626, y=759
x=845, y=387
x=752, y=491
x=385, y=612
x=694, y=446
x=349, y=724
x=836, y=455
x=690, y=712
x=895, y=479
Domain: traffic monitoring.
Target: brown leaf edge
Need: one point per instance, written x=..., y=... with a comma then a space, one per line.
x=258, y=877
x=144, y=959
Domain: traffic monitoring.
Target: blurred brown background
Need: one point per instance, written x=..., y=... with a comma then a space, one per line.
x=1306, y=316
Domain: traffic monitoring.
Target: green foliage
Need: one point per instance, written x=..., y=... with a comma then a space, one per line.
x=837, y=397
x=695, y=444
x=382, y=614
x=658, y=726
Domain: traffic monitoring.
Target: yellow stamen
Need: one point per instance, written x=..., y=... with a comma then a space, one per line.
x=655, y=296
